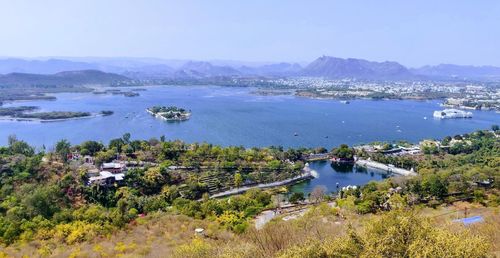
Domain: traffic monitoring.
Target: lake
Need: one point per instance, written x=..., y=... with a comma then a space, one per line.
x=233, y=116
x=328, y=175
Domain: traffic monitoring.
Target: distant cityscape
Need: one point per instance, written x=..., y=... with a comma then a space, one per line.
x=464, y=87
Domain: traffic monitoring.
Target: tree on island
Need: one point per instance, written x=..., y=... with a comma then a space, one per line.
x=343, y=152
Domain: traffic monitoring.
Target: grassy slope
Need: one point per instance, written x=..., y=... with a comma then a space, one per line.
x=167, y=235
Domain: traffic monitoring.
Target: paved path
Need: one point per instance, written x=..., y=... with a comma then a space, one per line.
x=263, y=218
x=395, y=170
x=305, y=175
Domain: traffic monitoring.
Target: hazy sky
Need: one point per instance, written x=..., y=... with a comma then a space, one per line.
x=411, y=32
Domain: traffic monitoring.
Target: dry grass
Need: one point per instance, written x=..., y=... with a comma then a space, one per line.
x=154, y=236
x=167, y=235
x=444, y=217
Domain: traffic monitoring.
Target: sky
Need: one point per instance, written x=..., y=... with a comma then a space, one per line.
x=414, y=33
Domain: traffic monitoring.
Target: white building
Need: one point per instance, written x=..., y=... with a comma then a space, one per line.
x=452, y=113
x=106, y=178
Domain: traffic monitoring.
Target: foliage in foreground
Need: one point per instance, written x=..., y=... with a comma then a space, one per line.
x=398, y=233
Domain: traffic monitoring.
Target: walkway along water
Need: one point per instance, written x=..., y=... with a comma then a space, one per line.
x=307, y=173
x=388, y=168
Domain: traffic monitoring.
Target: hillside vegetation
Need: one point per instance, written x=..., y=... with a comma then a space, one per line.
x=49, y=208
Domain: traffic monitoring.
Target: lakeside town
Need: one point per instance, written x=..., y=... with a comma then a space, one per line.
x=462, y=95
x=467, y=94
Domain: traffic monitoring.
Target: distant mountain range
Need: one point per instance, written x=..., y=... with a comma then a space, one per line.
x=194, y=69
x=278, y=69
x=22, y=71
x=447, y=71
x=62, y=78
x=338, y=68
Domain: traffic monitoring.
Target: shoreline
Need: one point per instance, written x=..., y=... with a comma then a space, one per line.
x=385, y=167
x=18, y=119
x=364, y=98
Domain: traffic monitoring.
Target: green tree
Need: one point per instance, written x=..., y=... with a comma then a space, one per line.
x=116, y=144
x=104, y=156
x=274, y=164
x=238, y=179
x=21, y=147
x=343, y=152
x=320, y=150
x=296, y=197
x=154, y=179
x=42, y=201
x=446, y=140
x=126, y=138
x=90, y=148
x=435, y=186
x=63, y=149
x=430, y=149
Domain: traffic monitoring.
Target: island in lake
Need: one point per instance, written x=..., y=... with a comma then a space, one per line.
x=27, y=113
x=117, y=92
x=452, y=113
x=171, y=113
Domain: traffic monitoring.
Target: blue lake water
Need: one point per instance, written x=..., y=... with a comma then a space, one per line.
x=233, y=116
x=328, y=175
